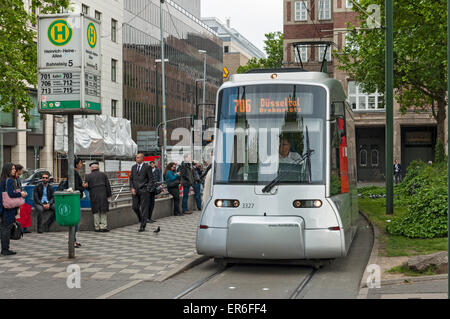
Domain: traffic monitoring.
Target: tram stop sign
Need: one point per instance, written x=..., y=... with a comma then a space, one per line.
x=69, y=64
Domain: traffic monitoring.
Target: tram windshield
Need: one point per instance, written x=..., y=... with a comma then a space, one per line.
x=267, y=131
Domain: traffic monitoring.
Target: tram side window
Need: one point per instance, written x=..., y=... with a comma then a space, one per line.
x=339, y=183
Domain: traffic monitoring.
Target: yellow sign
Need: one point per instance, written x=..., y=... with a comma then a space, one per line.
x=60, y=33
x=225, y=72
x=92, y=35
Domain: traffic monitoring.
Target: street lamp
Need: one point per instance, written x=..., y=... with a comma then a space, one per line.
x=158, y=111
x=204, y=85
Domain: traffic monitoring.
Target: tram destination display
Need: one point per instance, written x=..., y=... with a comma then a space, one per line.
x=69, y=64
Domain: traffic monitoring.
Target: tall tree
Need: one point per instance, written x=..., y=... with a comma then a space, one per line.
x=274, y=51
x=420, y=55
x=18, y=52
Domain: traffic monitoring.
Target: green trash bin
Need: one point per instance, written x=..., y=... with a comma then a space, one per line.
x=67, y=208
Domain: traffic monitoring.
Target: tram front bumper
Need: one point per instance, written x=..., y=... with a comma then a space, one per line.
x=257, y=237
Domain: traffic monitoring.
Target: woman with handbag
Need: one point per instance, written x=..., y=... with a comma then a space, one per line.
x=173, y=183
x=25, y=209
x=11, y=198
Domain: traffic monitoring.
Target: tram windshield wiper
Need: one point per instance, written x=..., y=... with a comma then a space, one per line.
x=306, y=157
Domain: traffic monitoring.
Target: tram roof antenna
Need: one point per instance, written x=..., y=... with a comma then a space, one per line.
x=328, y=44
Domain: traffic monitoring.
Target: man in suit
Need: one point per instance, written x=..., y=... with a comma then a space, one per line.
x=142, y=184
x=99, y=188
x=44, y=201
x=187, y=180
x=157, y=178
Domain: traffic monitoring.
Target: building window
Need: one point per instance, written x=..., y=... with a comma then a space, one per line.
x=322, y=52
x=303, y=49
x=36, y=123
x=114, y=108
x=85, y=9
x=375, y=157
x=98, y=15
x=226, y=49
x=301, y=11
x=359, y=100
x=353, y=46
x=113, y=30
x=113, y=70
x=349, y=4
x=363, y=158
x=7, y=119
x=324, y=9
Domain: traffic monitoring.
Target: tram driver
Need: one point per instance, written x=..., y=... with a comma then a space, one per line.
x=286, y=156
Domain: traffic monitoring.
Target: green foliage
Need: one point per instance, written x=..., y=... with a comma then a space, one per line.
x=274, y=50
x=420, y=55
x=335, y=185
x=371, y=190
x=404, y=269
x=425, y=190
x=18, y=52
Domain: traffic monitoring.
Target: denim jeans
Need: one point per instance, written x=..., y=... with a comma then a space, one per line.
x=198, y=197
x=184, y=202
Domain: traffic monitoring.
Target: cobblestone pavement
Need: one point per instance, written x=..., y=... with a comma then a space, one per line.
x=121, y=254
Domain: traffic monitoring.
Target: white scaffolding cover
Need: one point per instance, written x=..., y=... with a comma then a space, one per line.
x=100, y=135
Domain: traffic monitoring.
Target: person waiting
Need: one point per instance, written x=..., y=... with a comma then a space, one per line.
x=44, y=201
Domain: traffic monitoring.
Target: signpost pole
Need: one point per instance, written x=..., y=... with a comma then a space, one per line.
x=71, y=176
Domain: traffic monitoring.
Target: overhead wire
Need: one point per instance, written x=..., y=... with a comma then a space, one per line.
x=174, y=25
x=134, y=17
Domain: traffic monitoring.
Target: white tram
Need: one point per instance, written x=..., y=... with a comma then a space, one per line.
x=284, y=173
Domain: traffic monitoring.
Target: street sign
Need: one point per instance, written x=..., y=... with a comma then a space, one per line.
x=226, y=73
x=69, y=64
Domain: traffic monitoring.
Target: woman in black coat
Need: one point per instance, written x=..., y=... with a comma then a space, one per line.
x=8, y=215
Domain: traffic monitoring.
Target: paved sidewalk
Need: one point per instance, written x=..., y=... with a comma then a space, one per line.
x=122, y=254
x=426, y=287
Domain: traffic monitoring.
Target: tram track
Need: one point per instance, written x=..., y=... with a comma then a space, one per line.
x=201, y=282
x=303, y=284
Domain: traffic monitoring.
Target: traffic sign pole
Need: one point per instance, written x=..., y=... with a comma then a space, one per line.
x=71, y=176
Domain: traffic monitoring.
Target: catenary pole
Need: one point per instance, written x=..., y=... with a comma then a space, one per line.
x=448, y=144
x=389, y=7
x=163, y=89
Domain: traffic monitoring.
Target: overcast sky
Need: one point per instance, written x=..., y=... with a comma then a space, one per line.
x=252, y=18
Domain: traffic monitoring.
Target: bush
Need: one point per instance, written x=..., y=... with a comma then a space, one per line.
x=425, y=190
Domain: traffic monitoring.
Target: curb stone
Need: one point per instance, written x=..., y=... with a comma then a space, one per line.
x=372, y=259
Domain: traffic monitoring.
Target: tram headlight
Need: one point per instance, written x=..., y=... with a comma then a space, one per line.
x=307, y=203
x=227, y=203
x=317, y=203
